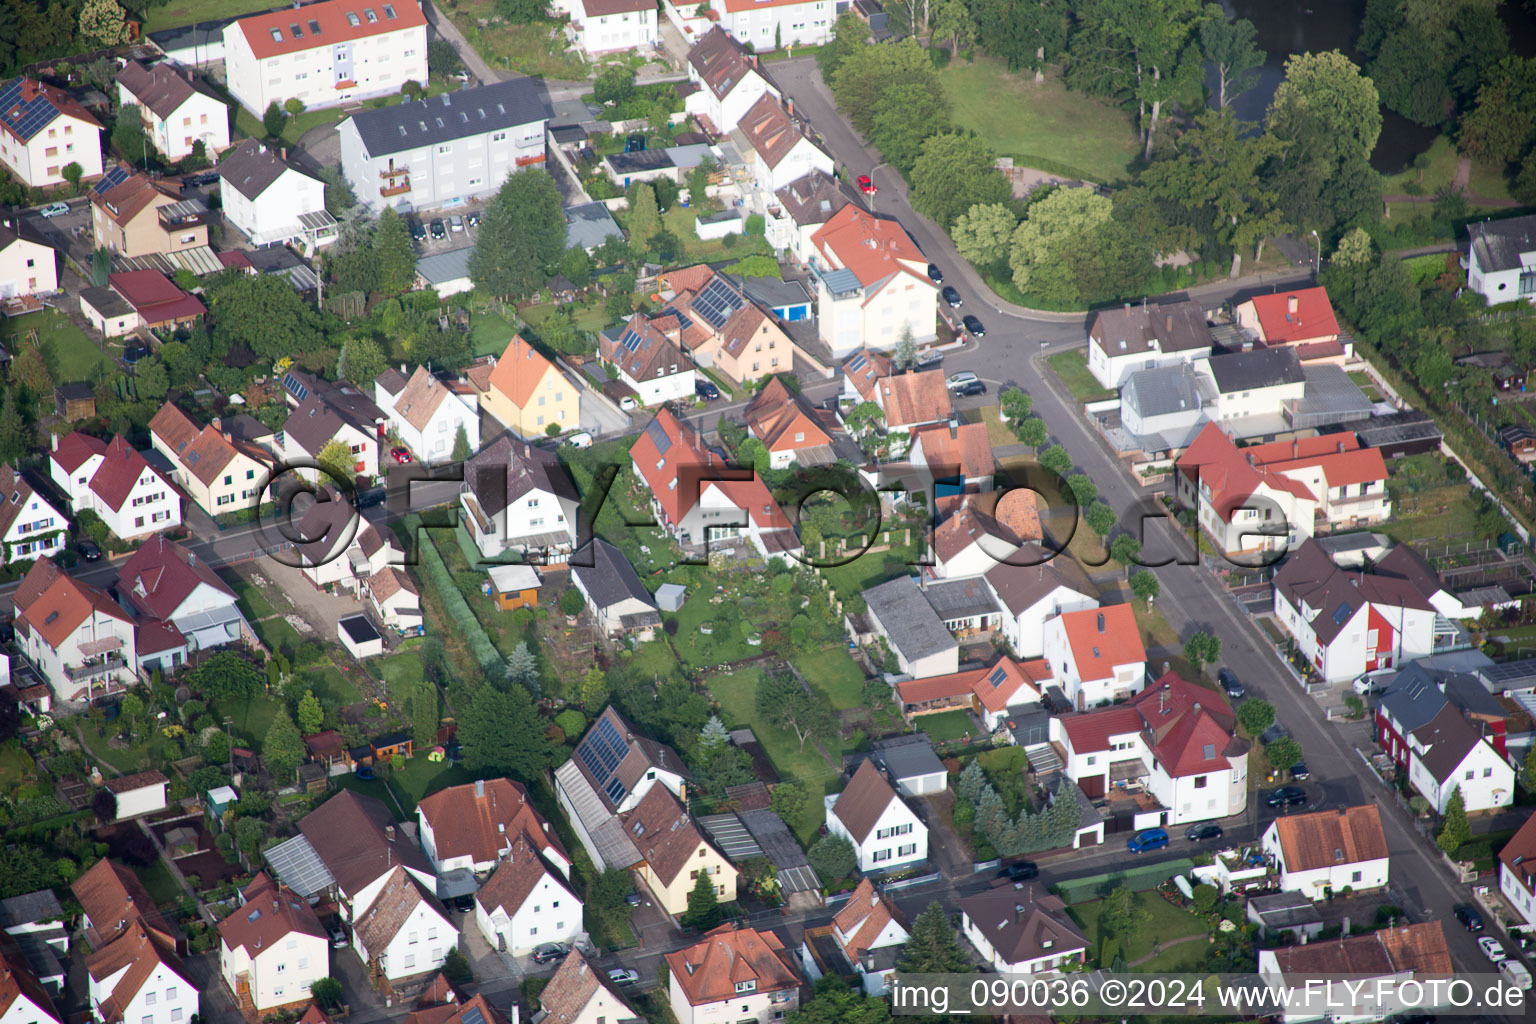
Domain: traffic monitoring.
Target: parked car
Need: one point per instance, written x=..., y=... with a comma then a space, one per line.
x=550, y=952
x=1299, y=771
x=1367, y=685
x=952, y=296
x=54, y=210
x=580, y=439
x=1151, y=839
x=1203, y=832
x=400, y=455
x=974, y=325
x=456, y=222
x=1492, y=948
x=1517, y=974
x=7, y=632
x=970, y=388
x=418, y=230
x=706, y=390
x=1470, y=917
x=371, y=497
x=962, y=378
x=438, y=231
x=935, y=274
x=629, y=403
x=338, y=935
x=472, y=218
x=133, y=353
x=1287, y=796
x=632, y=898
x=867, y=185
x=623, y=976
x=1020, y=871
x=87, y=549
x=1229, y=683
x=201, y=180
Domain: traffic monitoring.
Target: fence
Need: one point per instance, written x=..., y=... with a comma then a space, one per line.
x=1139, y=879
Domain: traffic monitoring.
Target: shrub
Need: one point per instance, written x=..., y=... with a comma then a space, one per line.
x=486, y=655
x=571, y=722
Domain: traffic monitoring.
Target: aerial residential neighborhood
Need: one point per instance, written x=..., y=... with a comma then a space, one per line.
x=628, y=510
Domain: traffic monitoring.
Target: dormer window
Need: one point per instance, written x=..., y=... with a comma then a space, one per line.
x=746, y=986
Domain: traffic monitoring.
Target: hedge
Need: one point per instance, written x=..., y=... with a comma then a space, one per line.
x=474, y=634
x=1138, y=879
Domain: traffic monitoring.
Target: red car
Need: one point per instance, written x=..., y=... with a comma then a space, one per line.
x=400, y=455
x=867, y=185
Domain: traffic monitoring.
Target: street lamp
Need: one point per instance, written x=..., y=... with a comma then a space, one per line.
x=1319, y=240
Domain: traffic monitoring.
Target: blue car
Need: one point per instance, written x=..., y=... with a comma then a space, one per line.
x=1151, y=839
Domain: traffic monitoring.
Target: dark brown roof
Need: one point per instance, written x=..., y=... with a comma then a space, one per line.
x=114, y=899
x=382, y=921
x=15, y=495
x=348, y=833
x=250, y=167
x=1310, y=576
x=815, y=198
x=140, y=780
x=968, y=526
x=1023, y=922
x=126, y=201
x=721, y=62
x=640, y=753
x=661, y=830
x=769, y=130
x=654, y=355
x=860, y=805
x=1446, y=740
x=162, y=88
x=267, y=913
x=516, y=877
x=328, y=407
x=1175, y=327
x=1019, y=586
x=18, y=981
x=1416, y=948
x=508, y=468
x=1323, y=839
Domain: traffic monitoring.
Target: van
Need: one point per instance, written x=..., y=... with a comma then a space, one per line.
x=1517, y=974
x=580, y=439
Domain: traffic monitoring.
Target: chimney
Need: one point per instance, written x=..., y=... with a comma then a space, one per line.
x=283, y=153
x=1341, y=447
x=389, y=832
x=1168, y=323
x=1101, y=622
x=479, y=788
x=1292, y=303
x=789, y=104
x=192, y=559
x=55, y=442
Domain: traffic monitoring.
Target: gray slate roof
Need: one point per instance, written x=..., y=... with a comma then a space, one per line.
x=960, y=599
x=1397, y=428
x=452, y=115
x=610, y=579
x=914, y=627
x=442, y=267
x=589, y=225
x=251, y=167
x=1499, y=243
x=770, y=291
x=1163, y=390
x=909, y=760
x=1260, y=368
x=506, y=469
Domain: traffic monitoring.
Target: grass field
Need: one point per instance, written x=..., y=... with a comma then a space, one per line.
x=1040, y=124
x=251, y=602
x=835, y=674
x=15, y=764
x=401, y=672
x=1072, y=368
x=947, y=725
x=70, y=354
x=159, y=883
x=409, y=786
x=537, y=48
x=276, y=633
x=1163, y=922
x=186, y=12
x=331, y=686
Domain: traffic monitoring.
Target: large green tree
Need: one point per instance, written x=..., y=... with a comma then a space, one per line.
x=954, y=173
x=908, y=114
x=1028, y=34
x=984, y=233
x=1428, y=57
x=396, y=260
x=933, y=946
x=502, y=733
x=1232, y=52
x=521, y=237
x=866, y=74
x=850, y=33
x=283, y=748
x=785, y=703
x=1049, y=227
x=1501, y=122
x=262, y=313
x=835, y=1003
x=1454, y=832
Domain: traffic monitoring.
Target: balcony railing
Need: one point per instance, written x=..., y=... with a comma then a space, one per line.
x=394, y=172
x=95, y=669
x=395, y=190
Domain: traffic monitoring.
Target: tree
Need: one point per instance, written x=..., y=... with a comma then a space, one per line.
x=571, y=602
x=1049, y=226
x=862, y=418
x=361, y=361
x=1329, y=114
x=1015, y=404
x=502, y=733
x=273, y=120
x=15, y=437
x=522, y=666
x=520, y=12
x=1027, y=35
x=834, y=1002
x=1055, y=460
x=1528, y=770
x=104, y=23
x=850, y=33
x=955, y=173
x=310, y=714
x=521, y=237
x=1355, y=249
x=615, y=84
x=1082, y=489
x=1126, y=550
x=1499, y=126
x=1031, y=432
x=1255, y=716
x=790, y=800
x=1230, y=47
x=150, y=380
x=933, y=947
x=703, y=911
x=905, y=355
x=424, y=714
x=1101, y=518
x=1282, y=752
x=392, y=249
x=327, y=992
x=833, y=857
x=1454, y=832
x=283, y=748
x=72, y=173
x=753, y=453
x=908, y=114
x=337, y=461
x=610, y=890
x=787, y=704
x=1202, y=649
x=866, y=75
x=461, y=449
x=984, y=233
x=442, y=58
x=1428, y=57
x=955, y=23
x=576, y=265
x=226, y=676
x=1145, y=585
x=262, y=313
x=104, y=806
x=644, y=216
x=1205, y=897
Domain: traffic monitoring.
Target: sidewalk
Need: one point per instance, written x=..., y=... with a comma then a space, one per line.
x=446, y=29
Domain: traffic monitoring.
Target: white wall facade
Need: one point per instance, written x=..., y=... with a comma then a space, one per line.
x=37, y=531
x=859, y=319
x=200, y=118
x=28, y=268
x=1025, y=632
x=41, y=160
x=418, y=946
x=726, y=112
x=1053, y=961
x=272, y=218
x=897, y=839
x=1127, y=680
x=782, y=24
x=279, y=974
x=667, y=388
x=378, y=65
x=1485, y=779
x=1368, y=874
x=611, y=33
x=164, y=998
x=550, y=913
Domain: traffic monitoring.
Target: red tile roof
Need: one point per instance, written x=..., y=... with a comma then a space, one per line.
x=874, y=248
x=1346, y=835
x=162, y=574
x=335, y=26
x=75, y=448
x=482, y=825
x=1017, y=681
x=710, y=970
x=863, y=918
x=120, y=470
x=679, y=476
x=1313, y=317
x=55, y=604
x=1212, y=459
x=777, y=415
x=154, y=297
x=268, y=913
x=113, y=898
x=516, y=877
x=950, y=446
x=1518, y=857
x=1102, y=639
x=911, y=398
x=519, y=371
x=17, y=982
x=1090, y=731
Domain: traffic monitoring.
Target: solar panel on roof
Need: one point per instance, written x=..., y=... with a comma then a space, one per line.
x=858, y=363
x=114, y=177
x=1342, y=613
x=997, y=676
x=630, y=340
x=474, y=1016
x=658, y=436
x=717, y=302
x=615, y=790
x=295, y=387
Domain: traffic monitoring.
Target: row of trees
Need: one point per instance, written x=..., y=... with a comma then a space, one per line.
x=1053, y=827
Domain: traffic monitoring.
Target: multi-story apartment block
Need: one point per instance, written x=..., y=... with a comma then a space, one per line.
x=772, y=24
x=325, y=54
x=610, y=26
x=43, y=130
x=872, y=284
x=460, y=145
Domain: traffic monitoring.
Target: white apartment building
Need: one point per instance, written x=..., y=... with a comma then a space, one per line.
x=772, y=24
x=325, y=54
x=871, y=284
x=27, y=266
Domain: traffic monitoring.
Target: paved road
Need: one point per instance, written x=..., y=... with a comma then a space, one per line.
x=1191, y=600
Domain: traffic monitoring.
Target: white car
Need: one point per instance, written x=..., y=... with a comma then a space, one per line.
x=1492, y=949
x=628, y=403
x=54, y=210
x=964, y=377
x=580, y=439
x=1367, y=685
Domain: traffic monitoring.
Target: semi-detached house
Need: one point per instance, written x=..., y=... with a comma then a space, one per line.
x=24, y=999
x=527, y=393
x=803, y=207
x=325, y=54
x=727, y=80
x=736, y=974
x=886, y=834
x=781, y=152
x=28, y=265
x=220, y=474
x=167, y=585
x=176, y=109
x=134, y=971
x=869, y=932
x=472, y=827
x=520, y=498
x=527, y=901
x=453, y=147
x=272, y=948
x=1122, y=341
x=674, y=853
x=790, y=427
x=43, y=130
x=113, y=480
x=714, y=321
x=80, y=640
x=1032, y=589
x=872, y=284
x=30, y=527
x=324, y=411
x=1021, y=929
x=1096, y=655
x=577, y=994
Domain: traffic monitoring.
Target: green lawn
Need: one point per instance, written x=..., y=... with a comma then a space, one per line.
x=1072, y=368
x=947, y=725
x=185, y=12
x=696, y=649
x=1040, y=125
x=1163, y=922
x=249, y=720
x=400, y=672
x=252, y=603
x=490, y=334
x=276, y=633
x=856, y=576
x=419, y=778
x=737, y=695
x=70, y=354
x=1440, y=168
x=126, y=761
x=15, y=764
x=331, y=686
x=159, y=883
x=533, y=49
x=835, y=674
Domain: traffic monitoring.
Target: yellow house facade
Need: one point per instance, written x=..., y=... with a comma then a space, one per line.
x=675, y=853
x=528, y=394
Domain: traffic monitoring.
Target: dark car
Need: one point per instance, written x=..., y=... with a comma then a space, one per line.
x=200, y=180
x=632, y=898
x=1020, y=871
x=1203, y=832
x=371, y=497
x=338, y=935
x=550, y=952
x=464, y=903
x=1229, y=683
x=438, y=230
x=133, y=353
x=634, y=144
x=935, y=274
x=1151, y=839
x=1287, y=796
x=952, y=296
x=418, y=231
x=1299, y=771
x=7, y=632
x=970, y=387
x=706, y=390
x=1470, y=918
x=472, y=219
x=88, y=550
x=975, y=327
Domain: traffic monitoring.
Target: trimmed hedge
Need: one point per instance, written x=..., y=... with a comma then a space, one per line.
x=458, y=610
x=1138, y=879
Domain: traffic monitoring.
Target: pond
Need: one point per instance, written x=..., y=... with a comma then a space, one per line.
x=1301, y=26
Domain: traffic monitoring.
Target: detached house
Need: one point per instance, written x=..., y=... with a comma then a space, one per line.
x=612, y=770
x=79, y=639
x=1364, y=964
x=1415, y=695
x=867, y=933
x=1096, y=654
x=1122, y=341
x=136, y=215
x=648, y=361
x=793, y=431
x=577, y=994
x=715, y=322
x=699, y=500
x=1448, y=754
x=740, y=974
x=519, y=498
x=271, y=201
x=1177, y=739
x=780, y=150
x=899, y=612
x=1325, y=852
x=527, y=393
x=324, y=411
x=884, y=831
x=1517, y=872
x=771, y=24
x=1500, y=256
x=272, y=948
x=1301, y=319
x=727, y=80
x=527, y=902
x=674, y=853
x=220, y=474
x=134, y=973
x=113, y=480
x=472, y=827
x=613, y=592
x=958, y=454
x=906, y=400
x=172, y=591
x=43, y=130
x=29, y=526
x=176, y=109
x=872, y=284
x=1348, y=623
x=28, y=266
x=1021, y=929
x=425, y=415
x=1031, y=587
x=1247, y=509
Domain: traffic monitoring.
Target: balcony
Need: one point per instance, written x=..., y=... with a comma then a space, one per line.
x=110, y=665
x=394, y=172
x=394, y=190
